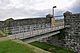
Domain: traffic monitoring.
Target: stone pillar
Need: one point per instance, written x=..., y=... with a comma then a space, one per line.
x=53, y=22
x=67, y=18
x=72, y=33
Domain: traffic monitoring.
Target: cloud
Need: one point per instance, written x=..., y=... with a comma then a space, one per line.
x=75, y=8
x=30, y=8
x=21, y=8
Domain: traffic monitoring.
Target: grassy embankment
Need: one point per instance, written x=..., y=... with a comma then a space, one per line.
x=9, y=46
x=50, y=48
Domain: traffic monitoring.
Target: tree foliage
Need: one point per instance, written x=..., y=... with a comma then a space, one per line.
x=49, y=16
x=9, y=22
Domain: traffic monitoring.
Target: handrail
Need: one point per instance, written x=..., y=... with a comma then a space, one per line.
x=34, y=33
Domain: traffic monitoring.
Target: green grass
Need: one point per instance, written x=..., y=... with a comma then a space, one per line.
x=2, y=34
x=14, y=47
x=5, y=32
x=51, y=48
x=59, y=22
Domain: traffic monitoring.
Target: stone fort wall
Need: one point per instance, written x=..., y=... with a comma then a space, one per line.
x=72, y=34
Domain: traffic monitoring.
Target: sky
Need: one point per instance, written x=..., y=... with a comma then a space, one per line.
x=19, y=9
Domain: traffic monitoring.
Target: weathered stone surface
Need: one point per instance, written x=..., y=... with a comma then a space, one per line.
x=72, y=34
x=25, y=25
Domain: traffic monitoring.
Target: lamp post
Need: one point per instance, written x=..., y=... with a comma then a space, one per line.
x=53, y=19
x=53, y=10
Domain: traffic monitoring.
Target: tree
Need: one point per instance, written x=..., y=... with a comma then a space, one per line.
x=49, y=16
x=8, y=23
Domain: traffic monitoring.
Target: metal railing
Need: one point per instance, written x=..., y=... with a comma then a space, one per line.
x=34, y=33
